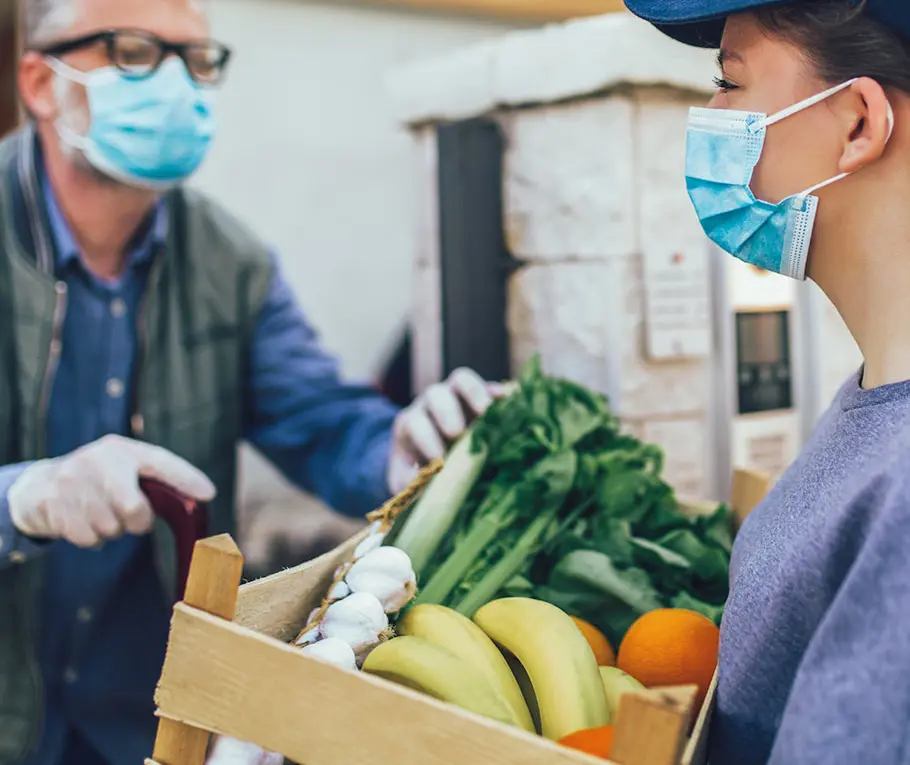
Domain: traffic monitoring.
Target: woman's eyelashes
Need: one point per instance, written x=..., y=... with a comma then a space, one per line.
x=724, y=85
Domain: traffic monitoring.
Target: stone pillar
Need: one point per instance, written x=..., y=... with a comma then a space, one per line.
x=594, y=116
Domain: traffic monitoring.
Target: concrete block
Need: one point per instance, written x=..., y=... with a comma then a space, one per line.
x=563, y=311
x=667, y=221
x=558, y=62
x=569, y=181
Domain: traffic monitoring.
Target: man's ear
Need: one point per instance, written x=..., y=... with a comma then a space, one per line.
x=36, y=87
x=868, y=121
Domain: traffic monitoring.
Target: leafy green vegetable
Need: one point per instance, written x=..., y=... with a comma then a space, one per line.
x=558, y=504
x=595, y=571
x=685, y=600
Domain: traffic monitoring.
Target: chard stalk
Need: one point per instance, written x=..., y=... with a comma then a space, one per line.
x=557, y=472
x=435, y=511
x=483, y=532
x=495, y=579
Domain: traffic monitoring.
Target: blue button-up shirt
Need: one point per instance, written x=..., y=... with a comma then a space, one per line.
x=105, y=618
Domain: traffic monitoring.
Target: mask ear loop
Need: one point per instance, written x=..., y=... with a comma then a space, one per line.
x=64, y=70
x=796, y=108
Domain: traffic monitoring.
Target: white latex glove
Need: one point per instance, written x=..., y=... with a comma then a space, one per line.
x=230, y=751
x=92, y=494
x=437, y=417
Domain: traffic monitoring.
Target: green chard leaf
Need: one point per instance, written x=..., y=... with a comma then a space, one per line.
x=687, y=601
x=717, y=528
x=708, y=563
x=595, y=571
x=654, y=555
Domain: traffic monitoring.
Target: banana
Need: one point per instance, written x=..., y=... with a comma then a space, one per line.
x=616, y=683
x=448, y=628
x=424, y=666
x=527, y=690
x=558, y=660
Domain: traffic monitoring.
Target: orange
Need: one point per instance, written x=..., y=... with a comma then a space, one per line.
x=671, y=646
x=596, y=741
x=603, y=651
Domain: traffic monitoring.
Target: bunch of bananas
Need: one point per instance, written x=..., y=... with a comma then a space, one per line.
x=520, y=661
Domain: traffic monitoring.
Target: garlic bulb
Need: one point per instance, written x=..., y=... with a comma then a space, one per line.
x=231, y=751
x=359, y=620
x=386, y=573
x=308, y=637
x=369, y=544
x=333, y=651
x=339, y=591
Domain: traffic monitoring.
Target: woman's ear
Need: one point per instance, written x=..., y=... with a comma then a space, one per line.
x=869, y=121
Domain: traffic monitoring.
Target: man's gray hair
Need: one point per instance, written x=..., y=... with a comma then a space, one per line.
x=44, y=20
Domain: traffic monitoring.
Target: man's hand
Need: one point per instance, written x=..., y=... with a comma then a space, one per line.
x=230, y=751
x=92, y=494
x=440, y=415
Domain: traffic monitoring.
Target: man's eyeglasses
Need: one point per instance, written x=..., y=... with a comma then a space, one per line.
x=139, y=54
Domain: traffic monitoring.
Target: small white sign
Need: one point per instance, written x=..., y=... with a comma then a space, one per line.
x=677, y=305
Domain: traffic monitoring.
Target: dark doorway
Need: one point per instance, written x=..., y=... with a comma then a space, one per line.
x=9, y=57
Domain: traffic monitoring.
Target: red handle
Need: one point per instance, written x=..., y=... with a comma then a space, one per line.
x=186, y=518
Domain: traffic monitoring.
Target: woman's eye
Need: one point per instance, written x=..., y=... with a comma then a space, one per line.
x=724, y=86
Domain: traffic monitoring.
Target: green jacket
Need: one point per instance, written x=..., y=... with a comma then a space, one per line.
x=204, y=293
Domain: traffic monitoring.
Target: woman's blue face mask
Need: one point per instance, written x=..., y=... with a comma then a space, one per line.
x=723, y=147
x=150, y=132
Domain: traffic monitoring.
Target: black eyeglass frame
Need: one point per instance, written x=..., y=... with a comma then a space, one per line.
x=165, y=48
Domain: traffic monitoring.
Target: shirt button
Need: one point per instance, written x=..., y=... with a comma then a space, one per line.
x=118, y=308
x=84, y=615
x=70, y=676
x=16, y=557
x=114, y=388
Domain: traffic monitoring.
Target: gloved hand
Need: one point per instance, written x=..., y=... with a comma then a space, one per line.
x=230, y=751
x=439, y=415
x=92, y=494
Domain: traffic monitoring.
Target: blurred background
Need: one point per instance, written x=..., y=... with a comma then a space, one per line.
x=470, y=182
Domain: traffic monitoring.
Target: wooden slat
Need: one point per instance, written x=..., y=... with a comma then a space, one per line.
x=233, y=681
x=696, y=752
x=651, y=727
x=517, y=10
x=748, y=490
x=278, y=605
x=212, y=586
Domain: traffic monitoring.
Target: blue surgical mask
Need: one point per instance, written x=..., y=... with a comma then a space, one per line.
x=723, y=147
x=151, y=132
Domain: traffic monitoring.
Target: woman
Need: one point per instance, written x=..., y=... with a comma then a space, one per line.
x=801, y=165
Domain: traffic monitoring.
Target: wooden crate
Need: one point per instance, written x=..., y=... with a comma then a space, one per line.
x=230, y=670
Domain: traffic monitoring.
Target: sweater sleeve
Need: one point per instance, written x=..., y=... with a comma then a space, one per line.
x=850, y=701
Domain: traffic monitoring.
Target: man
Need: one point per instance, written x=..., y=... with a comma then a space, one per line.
x=144, y=332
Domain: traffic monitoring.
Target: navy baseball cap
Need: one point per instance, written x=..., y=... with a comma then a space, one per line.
x=701, y=22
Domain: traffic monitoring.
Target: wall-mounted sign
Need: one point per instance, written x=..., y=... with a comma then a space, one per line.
x=677, y=306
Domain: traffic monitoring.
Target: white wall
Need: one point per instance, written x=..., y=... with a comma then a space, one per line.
x=310, y=154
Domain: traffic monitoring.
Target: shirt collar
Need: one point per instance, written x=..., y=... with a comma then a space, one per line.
x=150, y=235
